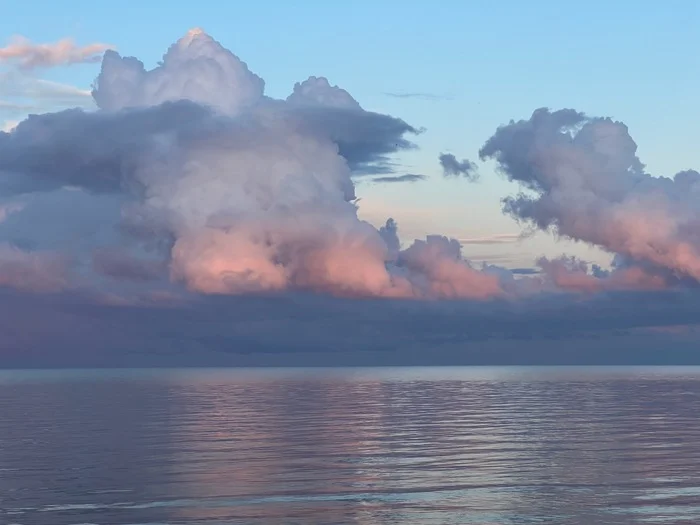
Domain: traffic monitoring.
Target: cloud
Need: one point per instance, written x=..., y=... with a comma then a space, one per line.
x=498, y=238
x=27, y=55
x=188, y=186
x=451, y=167
x=243, y=193
x=585, y=182
x=125, y=267
x=572, y=274
x=317, y=91
x=184, y=214
x=310, y=330
x=524, y=271
x=409, y=177
x=42, y=272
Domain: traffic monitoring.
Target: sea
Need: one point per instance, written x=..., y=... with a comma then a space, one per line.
x=358, y=446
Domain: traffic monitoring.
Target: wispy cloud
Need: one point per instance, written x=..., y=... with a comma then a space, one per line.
x=409, y=177
x=22, y=94
x=498, y=238
x=525, y=271
x=419, y=96
x=14, y=85
x=28, y=55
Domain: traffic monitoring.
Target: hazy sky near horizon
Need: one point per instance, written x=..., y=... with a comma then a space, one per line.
x=538, y=160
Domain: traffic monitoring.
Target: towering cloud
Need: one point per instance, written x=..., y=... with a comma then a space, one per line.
x=582, y=179
x=195, y=68
x=227, y=191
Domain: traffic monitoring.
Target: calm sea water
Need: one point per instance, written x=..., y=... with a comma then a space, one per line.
x=370, y=446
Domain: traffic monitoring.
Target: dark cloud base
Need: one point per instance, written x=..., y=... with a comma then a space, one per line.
x=309, y=330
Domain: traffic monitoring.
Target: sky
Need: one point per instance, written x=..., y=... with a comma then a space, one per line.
x=526, y=154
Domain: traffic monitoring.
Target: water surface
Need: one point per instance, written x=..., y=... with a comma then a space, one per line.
x=371, y=446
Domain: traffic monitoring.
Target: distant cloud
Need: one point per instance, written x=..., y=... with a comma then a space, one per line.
x=499, y=238
x=421, y=96
x=451, y=167
x=525, y=271
x=409, y=177
x=28, y=55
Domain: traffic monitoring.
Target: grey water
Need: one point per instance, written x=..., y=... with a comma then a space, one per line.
x=371, y=446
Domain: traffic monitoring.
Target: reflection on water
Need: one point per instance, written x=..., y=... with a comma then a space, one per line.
x=459, y=445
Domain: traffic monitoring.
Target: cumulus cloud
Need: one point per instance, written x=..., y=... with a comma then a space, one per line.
x=187, y=183
x=451, y=167
x=195, y=68
x=572, y=274
x=584, y=181
x=244, y=193
x=28, y=55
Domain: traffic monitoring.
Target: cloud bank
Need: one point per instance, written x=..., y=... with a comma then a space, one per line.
x=188, y=185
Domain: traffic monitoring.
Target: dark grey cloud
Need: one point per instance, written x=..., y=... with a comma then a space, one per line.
x=366, y=139
x=409, y=177
x=98, y=151
x=95, y=151
x=451, y=167
x=525, y=271
x=304, y=330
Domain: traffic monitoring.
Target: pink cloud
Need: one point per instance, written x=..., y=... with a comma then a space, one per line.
x=29, y=55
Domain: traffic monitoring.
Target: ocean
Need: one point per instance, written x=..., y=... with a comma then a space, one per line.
x=359, y=446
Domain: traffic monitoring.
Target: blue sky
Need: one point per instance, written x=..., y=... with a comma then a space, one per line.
x=482, y=63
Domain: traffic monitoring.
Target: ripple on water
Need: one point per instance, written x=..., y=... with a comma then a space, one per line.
x=486, y=446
